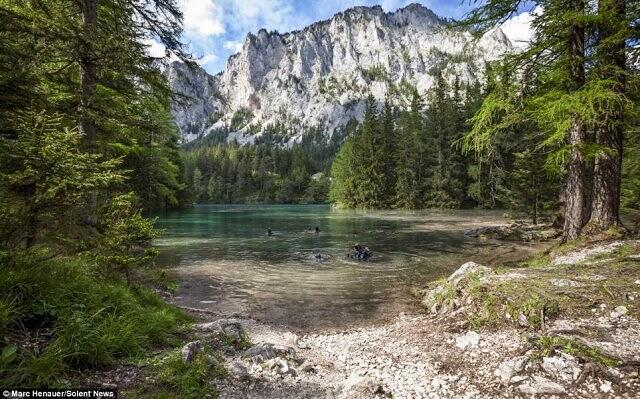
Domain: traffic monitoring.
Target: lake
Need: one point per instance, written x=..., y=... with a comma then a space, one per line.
x=227, y=263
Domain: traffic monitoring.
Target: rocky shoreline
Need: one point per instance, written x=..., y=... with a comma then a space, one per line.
x=441, y=353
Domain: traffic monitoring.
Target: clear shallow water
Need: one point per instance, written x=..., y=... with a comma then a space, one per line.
x=227, y=263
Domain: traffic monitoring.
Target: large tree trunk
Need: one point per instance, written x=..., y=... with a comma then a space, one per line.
x=609, y=135
x=574, y=214
x=88, y=84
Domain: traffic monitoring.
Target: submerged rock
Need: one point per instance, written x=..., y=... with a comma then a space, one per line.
x=518, y=231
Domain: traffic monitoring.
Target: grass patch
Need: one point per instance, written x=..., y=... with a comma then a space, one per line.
x=547, y=345
x=168, y=377
x=62, y=315
x=242, y=344
x=507, y=301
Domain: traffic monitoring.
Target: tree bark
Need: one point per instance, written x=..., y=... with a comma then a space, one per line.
x=609, y=135
x=88, y=84
x=574, y=215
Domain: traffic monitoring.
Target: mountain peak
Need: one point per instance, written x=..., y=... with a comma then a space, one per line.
x=319, y=76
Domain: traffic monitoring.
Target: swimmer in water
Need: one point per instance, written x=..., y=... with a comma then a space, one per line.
x=269, y=231
x=317, y=230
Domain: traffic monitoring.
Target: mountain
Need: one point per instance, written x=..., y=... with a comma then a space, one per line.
x=319, y=76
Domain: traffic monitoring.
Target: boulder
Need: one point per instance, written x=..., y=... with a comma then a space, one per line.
x=468, y=341
x=238, y=370
x=265, y=351
x=618, y=311
x=561, y=368
x=541, y=386
x=235, y=332
x=279, y=366
x=229, y=350
x=430, y=299
x=190, y=350
x=216, y=326
x=357, y=387
x=510, y=368
x=231, y=328
x=466, y=270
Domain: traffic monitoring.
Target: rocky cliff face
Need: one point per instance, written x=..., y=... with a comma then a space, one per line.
x=318, y=77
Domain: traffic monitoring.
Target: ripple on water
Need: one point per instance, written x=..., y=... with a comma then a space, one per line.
x=227, y=263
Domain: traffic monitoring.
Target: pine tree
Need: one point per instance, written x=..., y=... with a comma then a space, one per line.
x=611, y=70
x=388, y=155
x=367, y=160
x=557, y=104
x=442, y=191
x=408, y=172
x=196, y=183
x=531, y=188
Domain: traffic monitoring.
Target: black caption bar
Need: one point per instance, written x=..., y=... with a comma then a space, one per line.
x=58, y=393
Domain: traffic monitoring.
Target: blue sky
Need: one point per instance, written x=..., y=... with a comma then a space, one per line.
x=215, y=29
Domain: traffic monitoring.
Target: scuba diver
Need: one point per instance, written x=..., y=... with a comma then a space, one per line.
x=360, y=252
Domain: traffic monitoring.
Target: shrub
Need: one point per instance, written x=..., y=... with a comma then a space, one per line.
x=64, y=314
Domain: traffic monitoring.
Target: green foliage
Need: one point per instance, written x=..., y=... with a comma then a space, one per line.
x=130, y=106
x=45, y=179
x=574, y=89
x=125, y=244
x=364, y=170
x=89, y=319
x=532, y=190
x=549, y=344
x=168, y=377
x=376, y=73
x=63, y=302
x=408, y=158
x=241, y=118
x=265, y=172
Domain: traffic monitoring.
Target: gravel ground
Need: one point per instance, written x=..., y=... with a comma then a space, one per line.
x=417, y=356
x=427, y=356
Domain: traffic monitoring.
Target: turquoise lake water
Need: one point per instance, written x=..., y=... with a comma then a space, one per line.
x=228, y=264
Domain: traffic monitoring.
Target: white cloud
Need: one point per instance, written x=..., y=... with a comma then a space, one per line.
x=234, y=46
x=251, y=15
x=207, y=59
x=202, y=18
x=392, y=5
x=154, y=48
x=518, y=29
